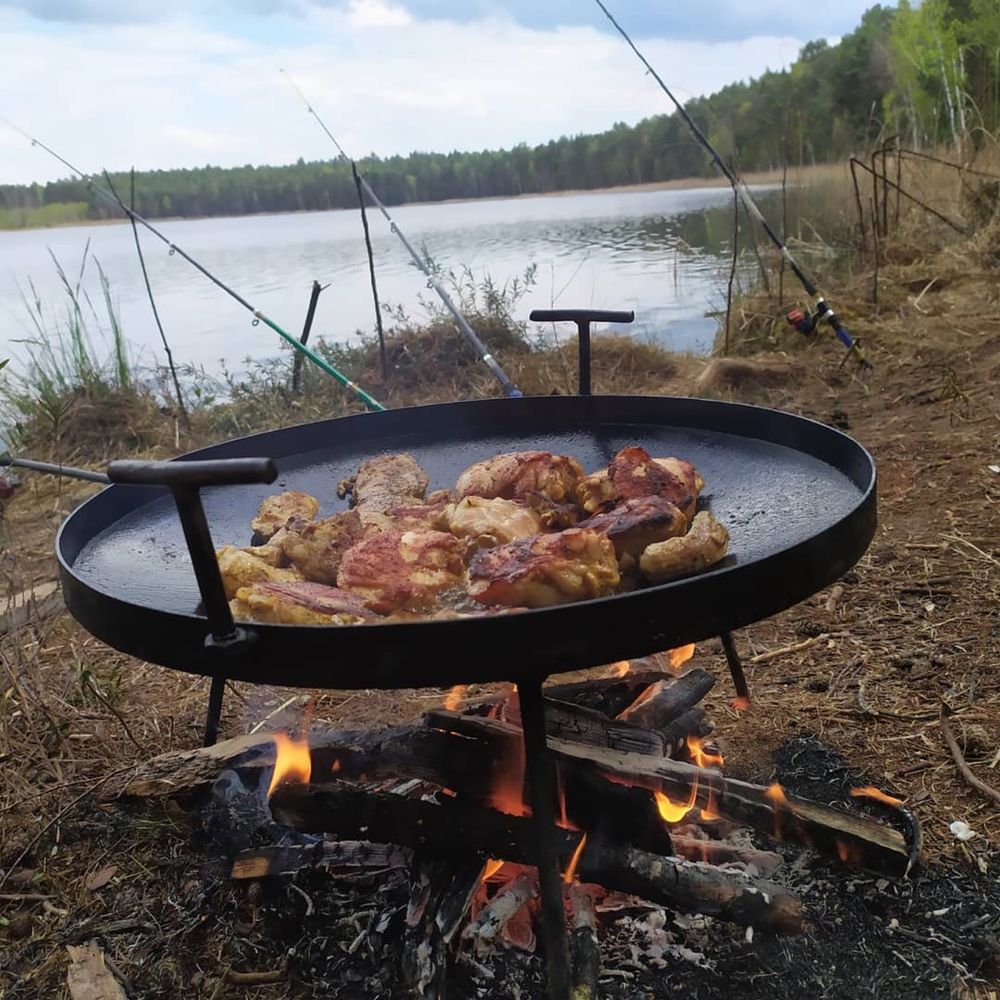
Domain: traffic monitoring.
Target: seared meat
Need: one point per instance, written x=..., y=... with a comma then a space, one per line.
x=421, y=517
x=635, y=524
x=240, y=568
x=492, y=522
x=273, y=553
x=402, y=569
x=536, y=572
x=632, y=474
x=298, y=604
x=518, y=474
x=386, y=481
x=705, y=544
x=276, y=511
x=315, y=548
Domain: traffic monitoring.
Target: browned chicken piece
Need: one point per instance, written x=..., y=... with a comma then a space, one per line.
x=402, y=570
x=240, y=568
x=519, y=474
x=273, y=553
x=704, y=545
x=555, y=516
x=420, y=517
x=633, y=474
x=492, y=522
x=298, y=604
x=276, y=511
x=386, y=481
x=572, y=565
x=315, y=548
x=634, y=525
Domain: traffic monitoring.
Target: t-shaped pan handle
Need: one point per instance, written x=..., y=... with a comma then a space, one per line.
x=583, y=318
x=184, y=480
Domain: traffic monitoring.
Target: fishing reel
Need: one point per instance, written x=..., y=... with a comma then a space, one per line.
x=803, y=321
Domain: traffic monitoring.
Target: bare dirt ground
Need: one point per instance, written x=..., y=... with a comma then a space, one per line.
x=863, y=666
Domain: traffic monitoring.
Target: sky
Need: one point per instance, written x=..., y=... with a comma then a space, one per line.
x=152, y=84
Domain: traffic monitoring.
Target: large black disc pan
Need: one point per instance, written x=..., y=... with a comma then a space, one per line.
x=798, y=498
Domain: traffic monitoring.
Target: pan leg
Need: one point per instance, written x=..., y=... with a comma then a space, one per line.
x=735, y=667
x=539, y=771
x=214, y=711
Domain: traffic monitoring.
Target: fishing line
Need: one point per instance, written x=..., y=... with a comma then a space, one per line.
x=823, y=310
x=114, y=200
x=509, y=389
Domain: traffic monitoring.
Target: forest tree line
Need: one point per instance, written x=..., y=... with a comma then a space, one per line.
x=929, y=74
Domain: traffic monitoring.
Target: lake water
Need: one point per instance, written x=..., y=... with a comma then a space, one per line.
x=664, y=254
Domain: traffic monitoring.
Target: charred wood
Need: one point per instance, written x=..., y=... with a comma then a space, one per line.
x=454, y=829
x=500, y=910
x=666, y=699
x=585, y=951
x=329, y=855
x=718, y=852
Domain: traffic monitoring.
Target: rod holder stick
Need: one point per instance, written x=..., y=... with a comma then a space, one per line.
x=583, y=318
x=214, y=711
x=539, y=770
x=735, y=666
x=52, y=469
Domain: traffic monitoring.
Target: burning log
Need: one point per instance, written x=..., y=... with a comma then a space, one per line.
x=583, y=943
x=717, y=852
x=330, y=855
x=665, y=700
x=501, y=909
x=455, y=829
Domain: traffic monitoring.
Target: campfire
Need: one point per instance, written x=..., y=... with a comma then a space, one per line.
x=643, y=811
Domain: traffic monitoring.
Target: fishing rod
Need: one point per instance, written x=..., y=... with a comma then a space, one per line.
x=802, y=322
x=258, y=316
x=52, y=469
x=509, y=389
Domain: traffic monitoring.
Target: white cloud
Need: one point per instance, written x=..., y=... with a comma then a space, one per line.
x=179, y=94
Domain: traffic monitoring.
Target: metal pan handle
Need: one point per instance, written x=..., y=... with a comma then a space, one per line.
x=583, y=318
x=212, y=472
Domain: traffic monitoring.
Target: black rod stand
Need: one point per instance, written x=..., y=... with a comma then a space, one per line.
x=539, y=770
x=735, y=667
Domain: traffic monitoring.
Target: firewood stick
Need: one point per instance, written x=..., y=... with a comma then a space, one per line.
x=352, y=854
x=970, y=779
x=424, y=961
x=458, y=899
x=453, y=828
x=665, y=700
x=583, y=943
x=499, y=911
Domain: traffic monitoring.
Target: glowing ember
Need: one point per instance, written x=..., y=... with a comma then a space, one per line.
x=701, y=756
x=680, y=656
x=335, y=767
x=740, y=703
x=491, y=868
x=574, y=861
x=674, y=812
x=455, y=696
x=292, y=762
x=507, y=792
x=621, y=668
x=869, y=792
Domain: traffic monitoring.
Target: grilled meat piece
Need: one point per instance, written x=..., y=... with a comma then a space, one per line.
x=492, y=522
x=635, y=524
x=298, y=604
x=240, y=568
x=633, y=474
x=276, y=511
x=386, y=481
x=402, y=570
x=704, y=545
x=421, y=517
x=536, y=572
x=315, y=548
x=519, y=474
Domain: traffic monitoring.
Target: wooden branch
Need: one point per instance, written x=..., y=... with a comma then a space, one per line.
x=970, y=779
x=424, y=959
x=329, y=855
x=718, y=852
x=453, y=828
x=665, y=700
x=583, y=944
x=499, y=911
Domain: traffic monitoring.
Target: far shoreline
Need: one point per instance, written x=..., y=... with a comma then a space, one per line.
x=795, y=176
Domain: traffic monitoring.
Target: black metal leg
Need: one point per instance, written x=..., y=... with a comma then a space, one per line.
x=214, y=711
x=735, y=667
x=540, y=773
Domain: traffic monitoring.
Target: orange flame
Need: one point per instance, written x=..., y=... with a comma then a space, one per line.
x=574, y=861
x=507, y=793
x=674, y=812
x=701, y=756
x=335, y=766
x=870, y=792
x=491, y=868
x=679, y=656
x=454, y=697
x=292, y=762
x=776, y=793
x=621, y=668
